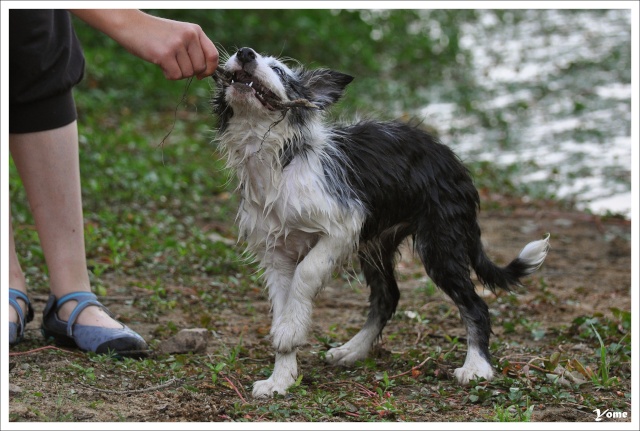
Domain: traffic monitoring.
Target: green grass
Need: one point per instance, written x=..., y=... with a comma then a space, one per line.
x=390, y=387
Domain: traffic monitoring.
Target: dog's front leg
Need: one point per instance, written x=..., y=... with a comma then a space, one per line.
x=290, y=328
x=292, y=316
x=279, y=270
x=284, y=375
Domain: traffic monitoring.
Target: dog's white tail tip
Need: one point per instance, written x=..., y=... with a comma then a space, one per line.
x=534, y=253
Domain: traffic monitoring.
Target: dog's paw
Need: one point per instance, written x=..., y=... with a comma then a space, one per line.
x=466, y=374
x=266, y=388
x=343, y=355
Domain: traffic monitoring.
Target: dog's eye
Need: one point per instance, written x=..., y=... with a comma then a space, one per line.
x=279, y=71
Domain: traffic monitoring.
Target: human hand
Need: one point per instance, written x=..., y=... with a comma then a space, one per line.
x=181, y=49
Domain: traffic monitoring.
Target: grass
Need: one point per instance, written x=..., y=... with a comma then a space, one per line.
x=513, y=415
x=413, y=384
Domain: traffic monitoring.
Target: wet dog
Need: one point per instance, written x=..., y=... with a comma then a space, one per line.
x=314, y=193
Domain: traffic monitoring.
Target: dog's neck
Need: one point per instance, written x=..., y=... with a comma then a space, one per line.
x=258, y=151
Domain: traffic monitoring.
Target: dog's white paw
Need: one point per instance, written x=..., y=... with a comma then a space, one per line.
x=266, y=388
x=343, y=355
x=466, y=374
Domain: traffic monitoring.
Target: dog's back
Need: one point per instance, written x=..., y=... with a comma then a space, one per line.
x=404, y=176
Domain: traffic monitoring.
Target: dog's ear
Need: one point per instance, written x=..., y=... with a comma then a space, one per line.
x=326, y=86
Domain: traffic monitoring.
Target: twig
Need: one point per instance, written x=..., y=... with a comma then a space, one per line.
x=234, y=387
x=224, y=77
x=175, y=115
x=28, y=352
x=578, y=407
x=518, y=355
x=413, y=368
x=455, y=347
x=361, y=388
x=418, y=338
x=365, y=391
x=134, y=391
x=296, y=103
x=221, y=75
x=535, y=367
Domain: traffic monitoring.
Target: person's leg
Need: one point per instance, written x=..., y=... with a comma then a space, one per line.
x=49, y=168
x=16, y=277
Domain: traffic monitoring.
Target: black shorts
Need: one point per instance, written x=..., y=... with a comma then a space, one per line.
x=45, y=63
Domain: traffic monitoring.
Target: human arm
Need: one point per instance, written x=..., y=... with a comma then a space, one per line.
x=181, y=49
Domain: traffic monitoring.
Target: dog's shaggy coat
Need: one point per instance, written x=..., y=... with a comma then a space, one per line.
x=315, y=193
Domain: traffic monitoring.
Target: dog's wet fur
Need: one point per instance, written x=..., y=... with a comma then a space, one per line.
x=315, y=193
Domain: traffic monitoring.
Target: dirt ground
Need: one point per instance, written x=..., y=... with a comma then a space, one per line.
x=588, y=271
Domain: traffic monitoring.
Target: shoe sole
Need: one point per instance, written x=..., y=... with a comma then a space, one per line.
x=64, y=341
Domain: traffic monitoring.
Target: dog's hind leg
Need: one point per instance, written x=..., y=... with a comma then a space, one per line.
x=378, y=269
x=445, y=259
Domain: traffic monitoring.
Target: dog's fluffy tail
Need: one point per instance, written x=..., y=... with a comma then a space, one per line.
x=528, y=261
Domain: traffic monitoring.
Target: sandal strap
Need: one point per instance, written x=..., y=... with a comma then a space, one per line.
x=84, y=300
x=14, y=295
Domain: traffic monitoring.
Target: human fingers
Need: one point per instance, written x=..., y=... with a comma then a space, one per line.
x=211, y=56
x=197, y=55
x=197, y=58
x=185, y=59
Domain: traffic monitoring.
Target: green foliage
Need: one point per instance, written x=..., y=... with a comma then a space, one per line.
x=513, y=414
x=388, y=51
x=602, y=377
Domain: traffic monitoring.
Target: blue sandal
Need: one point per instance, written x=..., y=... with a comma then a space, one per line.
x=119, y=341
x=16, y=330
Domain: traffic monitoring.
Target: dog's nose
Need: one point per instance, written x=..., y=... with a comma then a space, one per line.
x=246, y=55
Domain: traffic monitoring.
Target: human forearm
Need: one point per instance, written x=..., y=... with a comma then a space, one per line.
x=181, y=49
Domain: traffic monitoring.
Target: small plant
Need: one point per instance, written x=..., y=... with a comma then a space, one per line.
x=602, y=378
x=88, y=373
x=215, y=371
x=513, y=413
x=385, y=383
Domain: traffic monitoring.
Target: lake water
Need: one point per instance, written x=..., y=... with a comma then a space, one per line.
x=554, y=89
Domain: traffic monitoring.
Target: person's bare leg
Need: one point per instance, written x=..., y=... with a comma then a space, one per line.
x=16, y=277
x=49, y=168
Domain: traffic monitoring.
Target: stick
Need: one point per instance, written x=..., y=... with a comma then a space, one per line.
x=413, y=368
x=132, y=391
x=234, y=387
x=220, y=75
x=28, y=352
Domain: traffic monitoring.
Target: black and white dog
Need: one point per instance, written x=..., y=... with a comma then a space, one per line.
x=314, y=193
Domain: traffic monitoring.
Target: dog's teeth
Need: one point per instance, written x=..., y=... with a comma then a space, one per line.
x=251, y=84
x=232, y=81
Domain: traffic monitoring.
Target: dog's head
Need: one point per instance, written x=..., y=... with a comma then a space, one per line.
x=262, y=85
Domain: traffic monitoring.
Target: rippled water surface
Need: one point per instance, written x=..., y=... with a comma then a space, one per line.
x=553, y=97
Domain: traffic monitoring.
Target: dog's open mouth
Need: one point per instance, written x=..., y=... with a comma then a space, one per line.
x=246, y=83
